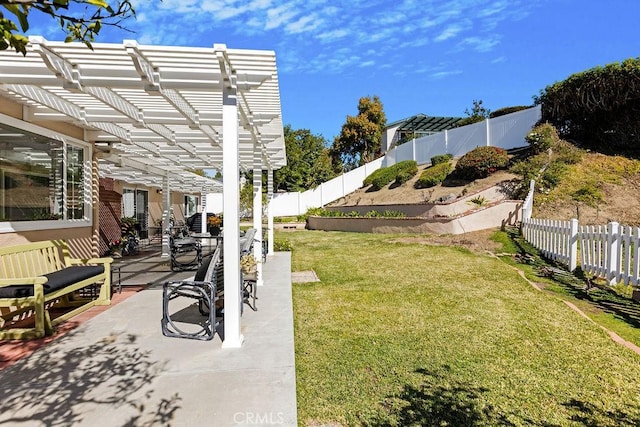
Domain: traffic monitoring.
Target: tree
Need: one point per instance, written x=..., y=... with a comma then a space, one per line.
x=81, y=20
x=477, y=114
x=598, y=107
x=308, y=161
x=360, y=140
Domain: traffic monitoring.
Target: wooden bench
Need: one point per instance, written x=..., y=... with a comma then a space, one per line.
x=37, y=276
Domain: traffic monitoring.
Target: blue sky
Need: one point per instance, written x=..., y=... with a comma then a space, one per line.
x=419, y=56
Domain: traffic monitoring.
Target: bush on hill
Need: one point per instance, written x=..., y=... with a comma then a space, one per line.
x=441, y=158
x=481, y=162
x=598, y=107
x=508, y=110
x=549, y=161
x=434, y=175
x=401, y=172
x=542, y=137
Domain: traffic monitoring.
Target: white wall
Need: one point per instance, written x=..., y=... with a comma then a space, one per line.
x=214, y=203
x=506, y=131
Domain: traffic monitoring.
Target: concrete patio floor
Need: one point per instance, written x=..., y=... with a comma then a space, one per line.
x=117, y=369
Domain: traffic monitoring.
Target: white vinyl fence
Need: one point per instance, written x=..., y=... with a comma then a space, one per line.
x=610, y=251
x=506, y=131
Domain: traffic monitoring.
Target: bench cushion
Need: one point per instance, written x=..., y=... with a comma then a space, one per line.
x=201, y=274
x=57, y=280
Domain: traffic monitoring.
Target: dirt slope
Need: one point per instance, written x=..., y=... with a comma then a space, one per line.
x=618, y=179
x=408, y=194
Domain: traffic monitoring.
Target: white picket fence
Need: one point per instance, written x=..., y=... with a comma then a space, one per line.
x=555, y=239
x=610, y=251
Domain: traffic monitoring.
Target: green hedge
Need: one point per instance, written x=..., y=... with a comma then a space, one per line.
x=441, y=158
x=434, y=175
x=406, y=171
x=508, y=110
x=401, y=172
x=481, y=162
x=597, y=107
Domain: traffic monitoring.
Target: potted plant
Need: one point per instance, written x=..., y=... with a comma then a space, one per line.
x=115, y=248
x=214, y=222
x=249, y=266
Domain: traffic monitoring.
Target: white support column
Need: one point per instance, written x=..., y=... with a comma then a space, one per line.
x=231, y=200
x=269, y=211
x=257, y=210
x=204, y=227
x=166, y=217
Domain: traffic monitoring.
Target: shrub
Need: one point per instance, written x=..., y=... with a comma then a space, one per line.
x=542, y=137
x=282, y=245
x=386, y=214
x=369, y=179
x=508, y=110
x=598, y=107
x=568, y=153
x=434, y=175
x=317, y=212
x=401, y=172
x=589, y=194
x=553, y=174
x=481, y=162
x=385, y=177
x=393, y=214
x=441, y=158
x=478, y=201
x=406, y=171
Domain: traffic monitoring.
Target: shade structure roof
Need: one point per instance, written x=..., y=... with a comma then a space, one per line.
x=152, y=110
x=422, y=123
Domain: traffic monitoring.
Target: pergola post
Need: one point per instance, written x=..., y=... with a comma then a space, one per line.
x=257, y=211
x=269, y=210
x=204, y=227
x=95, y=206
x=231, y=201
x=166, y=217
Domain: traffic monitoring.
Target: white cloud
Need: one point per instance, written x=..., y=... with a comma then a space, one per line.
x=448, y=33
x=333, y=35
x=313, y=36
x=481, y=44
x=279, y=16
x=304, y=24
x=443, y=74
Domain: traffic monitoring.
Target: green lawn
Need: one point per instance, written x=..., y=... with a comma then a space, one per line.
x=410, y=334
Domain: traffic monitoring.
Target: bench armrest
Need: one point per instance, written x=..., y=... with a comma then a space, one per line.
x=81, y=261
x=36, y=280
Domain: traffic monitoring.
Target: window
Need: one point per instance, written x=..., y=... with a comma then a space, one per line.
x=42, y=178
x=190, y=205
x=135, y=203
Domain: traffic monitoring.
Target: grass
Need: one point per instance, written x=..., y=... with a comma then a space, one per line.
x=400, y=334
x=610, y=307
x=595, y=169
